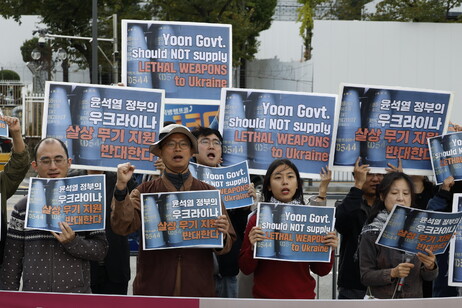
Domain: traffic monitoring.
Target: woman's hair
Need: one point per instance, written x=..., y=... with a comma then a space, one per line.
x=384, y=188
x=267, y=194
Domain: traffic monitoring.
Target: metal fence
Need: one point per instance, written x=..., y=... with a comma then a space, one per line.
x=10, y=93
x=32, y=115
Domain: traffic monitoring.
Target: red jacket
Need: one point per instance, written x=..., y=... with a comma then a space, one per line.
x=280, y=279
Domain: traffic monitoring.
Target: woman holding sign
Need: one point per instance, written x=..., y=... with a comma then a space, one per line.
x=391, y=273
x=277, y=278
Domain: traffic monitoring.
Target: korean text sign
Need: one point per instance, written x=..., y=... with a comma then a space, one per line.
x=455, y=249
x=261, y=126
x=181, y=219
x=413, y=230
x=382, y=124
x=80, y=201
x=446, y=156
x=191, y=115
x=232, y=181
x=294, y=232
x=104, y=126
x=187, y=60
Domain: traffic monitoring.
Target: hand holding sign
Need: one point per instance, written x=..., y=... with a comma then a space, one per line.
x=393, y=168
x=331, y=240
x=66, y=236
x=360, y=173
x=222, y=224
x=255, y=235
x=427, y=260
x=448, y=183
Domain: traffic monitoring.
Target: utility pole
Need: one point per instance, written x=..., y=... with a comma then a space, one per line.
x=94, y=43
x=115, y=53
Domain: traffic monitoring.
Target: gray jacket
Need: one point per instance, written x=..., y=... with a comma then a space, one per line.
x=45, y=264
x=376, y=263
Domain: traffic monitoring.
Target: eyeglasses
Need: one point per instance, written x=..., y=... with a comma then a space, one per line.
x=208, y=142
x=59, y=161
x=182, y=144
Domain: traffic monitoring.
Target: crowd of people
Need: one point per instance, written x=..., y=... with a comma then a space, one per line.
x=98, y=261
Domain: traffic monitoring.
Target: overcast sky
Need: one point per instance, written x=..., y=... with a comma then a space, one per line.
x=13, y=36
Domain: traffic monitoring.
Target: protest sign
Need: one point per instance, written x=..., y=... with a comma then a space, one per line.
x=413, y=230
x=232, y=181
x=181, y=219
x=294, y=232
x=381, y=124
x=446, y=156
x=103, y=126
x=3, y=127
x=261, y=125
x=455, y=249
x=187, y=60
x=191, y=115
x=80, y=201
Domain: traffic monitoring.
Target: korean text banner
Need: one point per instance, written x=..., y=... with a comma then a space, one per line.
x=455, y=249
x=232, y=181
x=80, y=201
x=413, y=230
x=191, y=115
x=181, y=219
x=446, y=156
x=294, y=232
x=381, y=124
x=104, y=126
x=187, y=60
x=261, y=126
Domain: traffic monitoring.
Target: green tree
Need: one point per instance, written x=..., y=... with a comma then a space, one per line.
x=247, y=17
x=326, y=9
x=9, y=75
x=73, y=18
x=306, y=16
x=415, y=10
x=346, y=9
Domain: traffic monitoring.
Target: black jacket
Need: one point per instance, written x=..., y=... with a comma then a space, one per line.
x=116, y=265
x=228, y=263
x=350, y=216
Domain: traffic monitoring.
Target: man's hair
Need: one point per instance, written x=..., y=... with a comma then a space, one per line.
x=206, y=131
x=50, y=140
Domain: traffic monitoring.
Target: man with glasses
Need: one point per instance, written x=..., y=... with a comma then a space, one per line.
x=210, y=154
x=168, y=272
x=350, y=215
x=209, y=146
x=49, y=261
x=13, y=173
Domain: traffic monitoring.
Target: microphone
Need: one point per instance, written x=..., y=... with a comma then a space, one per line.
x=401, y=280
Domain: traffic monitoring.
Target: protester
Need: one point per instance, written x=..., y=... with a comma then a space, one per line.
x=279, y=279
x=350, y=215
x=442, y=201
x=112, y=275
x=13, y=173
x=424, y=192
x=381, y=267
x=49, y=261
x=168, y=272
x=209, y=154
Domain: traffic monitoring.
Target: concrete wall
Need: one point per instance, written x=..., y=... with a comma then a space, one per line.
x=421, y=55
